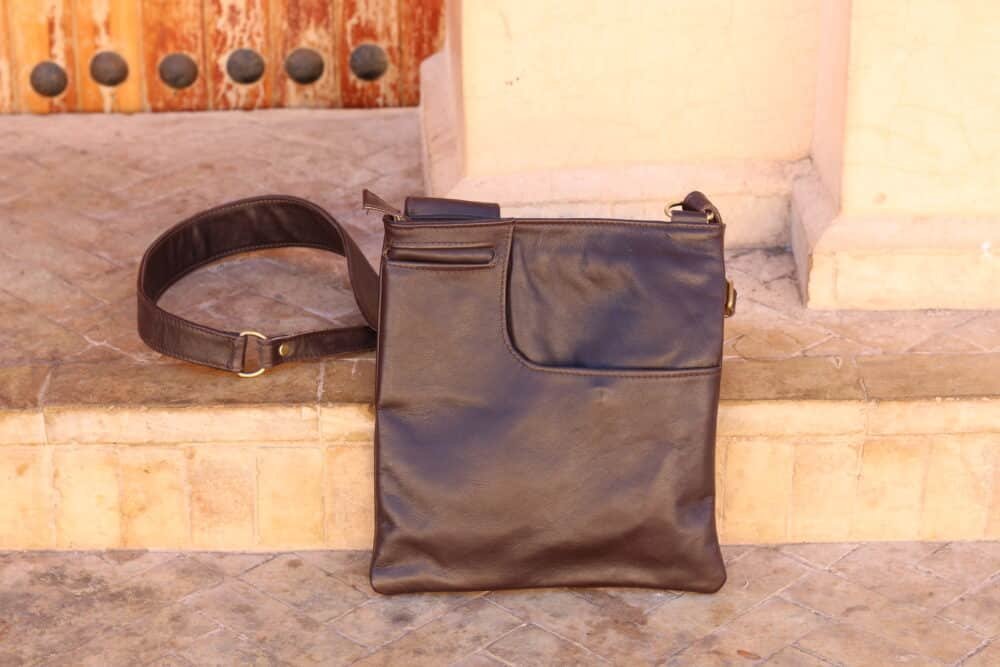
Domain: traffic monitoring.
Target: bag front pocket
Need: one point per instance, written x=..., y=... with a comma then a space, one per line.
x=613, y=295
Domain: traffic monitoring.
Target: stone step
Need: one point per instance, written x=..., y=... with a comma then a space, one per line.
x=267, y=476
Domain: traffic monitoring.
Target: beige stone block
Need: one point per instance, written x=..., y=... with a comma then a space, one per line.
x=721, y=453
x=890, y=489
x=138, y=425
x=783, y=418
x=758, y=489
x=26, y=502
x=223, y=493
x=824, y=485
x=350, y=497
x=347, y=423
x=993, y=522
x=959, y=487
x=155, y=510
x=976, y=415
x=290, y=497
x=21, y=427
x=88, y=504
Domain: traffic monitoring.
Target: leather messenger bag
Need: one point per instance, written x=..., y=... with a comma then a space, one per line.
x=547, y=388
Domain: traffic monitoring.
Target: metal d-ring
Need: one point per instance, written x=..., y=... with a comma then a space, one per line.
x=259, y=371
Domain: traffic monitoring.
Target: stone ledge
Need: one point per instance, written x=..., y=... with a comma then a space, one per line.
x=263, y=477
x=111, y=386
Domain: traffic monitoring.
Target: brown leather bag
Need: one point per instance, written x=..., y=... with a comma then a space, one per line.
x=547, y=388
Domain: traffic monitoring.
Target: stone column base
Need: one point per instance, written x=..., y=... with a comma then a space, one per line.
x=895, y=262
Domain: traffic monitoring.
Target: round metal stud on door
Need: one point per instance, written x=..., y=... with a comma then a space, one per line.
x=369, y=62
x=48, y=79
x=108, y=68
x=304, y=66
x=178, y=70
x=245, y=66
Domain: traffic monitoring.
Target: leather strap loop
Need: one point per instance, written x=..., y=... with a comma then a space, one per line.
x=249, y=224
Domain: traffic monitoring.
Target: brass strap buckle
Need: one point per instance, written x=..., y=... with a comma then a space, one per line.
x=259, y=371
x=730, y=307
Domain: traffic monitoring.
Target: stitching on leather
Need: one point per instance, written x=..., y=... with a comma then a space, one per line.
x=462, y=244
x=418, y=266
x=666, y=374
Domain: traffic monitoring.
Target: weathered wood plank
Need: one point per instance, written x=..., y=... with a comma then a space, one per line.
x=41, y=30
x=109, y=25
x=307, y=24
x=6, y=83
x=232, y=25
x=369, y=22
x=169, y=27
x=421, y=34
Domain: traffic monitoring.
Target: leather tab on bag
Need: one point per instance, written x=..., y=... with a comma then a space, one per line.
x=438, y=208
x=698, y=202
x=372, y=202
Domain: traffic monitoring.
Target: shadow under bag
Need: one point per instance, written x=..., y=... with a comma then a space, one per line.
x=547, y=388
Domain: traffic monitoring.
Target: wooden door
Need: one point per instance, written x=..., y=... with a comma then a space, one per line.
x=174, y=55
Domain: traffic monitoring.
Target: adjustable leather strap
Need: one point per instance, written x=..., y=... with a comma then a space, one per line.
x=276, y=222
x=249, y=224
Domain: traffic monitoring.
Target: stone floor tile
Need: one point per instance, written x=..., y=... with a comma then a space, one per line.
x=530, y=645
x=751, y=580
x=383, y=619
x=625, y=599
x=313, y=645
x=482, y=659
x=846, y=645
x=794, y=657
x=20, y=386
x=978, y=609
x=231, y=564
x=153, y=589
x=622, y=632
x=448, y=639
x=897, y=577
x=987, y=656
x=916, y=630
x=241, y=607
x=170, y=660
x=30, y=615
x=819, y=555
x=966, y=563
x=166, y=630
x=349, y=566
x=982, y=331
x=224, y=648
x=833, y=595
x=759, y=633
x=731, y=552
x=304, y=586
x=130, y=562
x=72, y=572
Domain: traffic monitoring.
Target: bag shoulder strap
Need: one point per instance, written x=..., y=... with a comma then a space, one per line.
x=241, y=226
x=276, y=222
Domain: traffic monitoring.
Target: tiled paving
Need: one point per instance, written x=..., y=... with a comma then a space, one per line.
x=806, y=605
x=82, y=196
